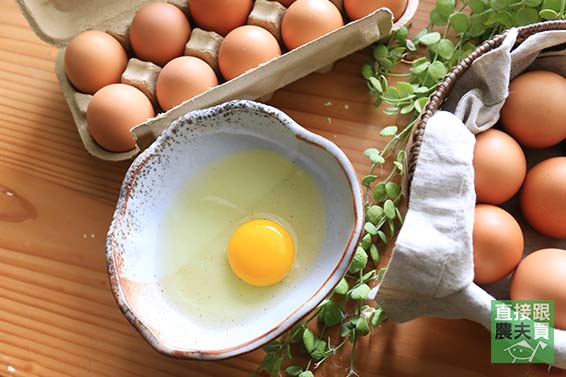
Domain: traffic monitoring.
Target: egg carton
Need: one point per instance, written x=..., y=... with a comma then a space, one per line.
x=58, y=21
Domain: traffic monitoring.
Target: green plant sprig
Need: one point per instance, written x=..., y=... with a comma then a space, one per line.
x=454, y=31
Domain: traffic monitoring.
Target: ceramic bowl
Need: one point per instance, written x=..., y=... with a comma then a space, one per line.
x=158, y=174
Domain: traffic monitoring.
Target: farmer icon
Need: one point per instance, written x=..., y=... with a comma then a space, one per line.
x=524, y=351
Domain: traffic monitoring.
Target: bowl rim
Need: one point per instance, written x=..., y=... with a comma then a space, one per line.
x=113, y=260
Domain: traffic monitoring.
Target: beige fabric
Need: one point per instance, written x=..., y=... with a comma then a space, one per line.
x=431, y=269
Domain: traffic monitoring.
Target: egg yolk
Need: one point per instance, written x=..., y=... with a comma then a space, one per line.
x=261, y=252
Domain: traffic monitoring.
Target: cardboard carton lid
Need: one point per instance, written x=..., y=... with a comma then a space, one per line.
x=57, y=21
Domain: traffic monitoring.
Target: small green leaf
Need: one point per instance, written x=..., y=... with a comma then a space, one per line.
x=388, y=131
x=389, y=209
x=392, y=110
x=307, y=373
x=294, y=370
x=459, y=22
x=397, y=52
x=477, y=6
x=367, y=71
x=374, y=253
x=437, y=70
x=410, y=45
x=374, y=214
x=404, y=89
x=504, y=18
x=308, y=340
x=380, y=51
x=273, y=346
x=319, y=349
x=379, y=192
x=386, y=63
x=420, y=104
x=532, y=3
x=362, y=327
x=297, y=333
x=344, y=330
x=437, y=18
x=368, y=179
x=367, y=276
x=361, y=292
x=342, y=287
x=527, y=16
x=430, y=38
x=548, y=14
x=382, y=236
x=374, y=155
x=399, y=166
x=370, y=228
x=378, y=317
x=477, y=27
x=499, y=5
x=421, y=90
x=366, y=241
x=407, y=109
x=393, y=190
x=381, y=273
x=359, y=261
x=332, y=314
x=446, y=6
x=555, y=5
x=417, y=69
x=375, y=84
x=276, y=369
x=445, y=48
x=402, y=33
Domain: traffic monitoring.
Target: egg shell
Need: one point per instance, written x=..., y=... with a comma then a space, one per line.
x=245, y=48
x=94, y=59
x=497, y=242
x=543, y=197
x=221, y=16
x=542, y=276
x=307, y=20
x=534, y=113
x=181, y=79
x=500, y=167
x=159, y=32
x=113, y=111
x=356, y=9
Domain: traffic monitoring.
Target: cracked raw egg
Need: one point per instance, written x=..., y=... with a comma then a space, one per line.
x=261, y=252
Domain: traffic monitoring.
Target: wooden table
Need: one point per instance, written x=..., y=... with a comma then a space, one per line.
x=57, y=314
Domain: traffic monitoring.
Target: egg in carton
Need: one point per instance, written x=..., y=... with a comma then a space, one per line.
x=115, y=18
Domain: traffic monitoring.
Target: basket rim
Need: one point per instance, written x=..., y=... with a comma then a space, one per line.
x=445, y=87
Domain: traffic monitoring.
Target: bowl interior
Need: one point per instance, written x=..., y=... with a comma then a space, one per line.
x=192, y=143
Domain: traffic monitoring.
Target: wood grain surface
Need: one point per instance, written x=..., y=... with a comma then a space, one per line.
x=57, y=315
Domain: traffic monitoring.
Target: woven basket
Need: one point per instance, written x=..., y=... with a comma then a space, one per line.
x=444, y=88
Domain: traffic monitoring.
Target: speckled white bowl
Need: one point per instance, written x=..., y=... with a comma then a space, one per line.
x=155, y=177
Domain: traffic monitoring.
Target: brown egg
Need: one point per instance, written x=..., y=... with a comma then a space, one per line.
x=181, y=79
x=94, y=59
x=542, y=276
x=245, y=48
x=356, y=9
x=307, y=20
x=498, y=243
x=499, y=165
x=534, y=113
x=543, y=197
x=113, y=111
x=221, y=16
x=159, y=33
x=286, y=2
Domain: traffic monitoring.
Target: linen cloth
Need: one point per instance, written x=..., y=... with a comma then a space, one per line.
x=431, y=269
